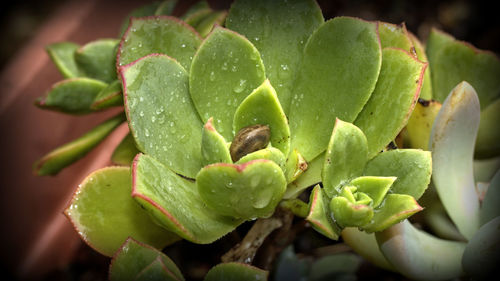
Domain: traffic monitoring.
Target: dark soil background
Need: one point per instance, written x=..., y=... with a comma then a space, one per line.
x=474, y=21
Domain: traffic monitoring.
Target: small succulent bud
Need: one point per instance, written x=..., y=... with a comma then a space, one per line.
x=248, y=140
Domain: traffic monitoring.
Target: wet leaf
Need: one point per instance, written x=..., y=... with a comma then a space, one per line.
x=142, y=11
x=345, y=157
x=63, y=56
x=279, y=30
x=452, y=143
x=158, y=35
x=262, y=107
x=348, y=213
x=333, y=84
x=214, y=148
x=105, y=224
x=72, y=96
x=419, y=255
x=97, y=59
x=269, y=153
x=389, y=107
x=225, y=70
x=412, y=167
x=136, y=261
x=161, y=116
x=125, y=152
x=233, y=271
x=375, y=187
x=248, y=190
x=319, y=214
x=63, y=156
x=175, y=202
x=108, y=97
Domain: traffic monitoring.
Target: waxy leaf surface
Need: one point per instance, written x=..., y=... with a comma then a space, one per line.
x=63, y=56
x=61, y=157
x=412, y=167
x=125, y=152
x=161, y=116
x=375, y=187
x=233, y=271
x=419, y=255
x=225, y=70
x=395, y=36
x=279, y=30
x=308, y=178
x=419, y=125
x=348, y=213
x=72, y=96
x=452, y=143
x=490, y=207
x=133, y=260
x=248, y=190
x=158, y=34
x=389, y=107
x=207, y=23
x=175, y=202
x=345, y=157
x=488, y=136
x=105, y=215
x=214, y=148
x=269, y=153
x=296, y=165
x=262, y=107
x=320, y=215
x=340, y=67
x=97, y=59
x=110, y=96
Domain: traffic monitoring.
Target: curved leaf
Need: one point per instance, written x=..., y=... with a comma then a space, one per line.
x=345, y=157
x=333, y=84
x=134, y=259
x=319, y=214
x=396, y=36
x=214, y=148
x=308, y=178
x=452, y=142
x=262, y=107
x=158, y=34
x=161, y=116
x=110, y=96
x=346, y=213
x=488, y=136
x=279, y=30
x=485, y=169
x=375, y=187
x=490, y=207
x=248, y=190
x=63, y=56
x=225, y=70
x=418, y=255
x=269, y=153
x=63, y=156
x=296, y=165
x=389, y=107
x=154, y=271
x=207, y=23
x=72, y=96
x=412, y=167
x=97, y=59
x=233, y=271
x=426, y=90
x=105, y=224
x=420, y=123
x=175, y=202
x=125, y=152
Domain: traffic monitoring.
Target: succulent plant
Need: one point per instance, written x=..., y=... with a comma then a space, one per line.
x=233, y=115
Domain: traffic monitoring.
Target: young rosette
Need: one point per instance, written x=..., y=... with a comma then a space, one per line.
x=371, y=195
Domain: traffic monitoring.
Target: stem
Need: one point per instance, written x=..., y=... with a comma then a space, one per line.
x=296, y=206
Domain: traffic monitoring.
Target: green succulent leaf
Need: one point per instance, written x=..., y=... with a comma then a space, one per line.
x=63, y=56
x=105, y=224
x=374, y=187
x=214, y=148
x=310, y=177
x=142, y=11
x=175, y=202
x=335, y=83
x=206, y=25
x=320, y=215
x=345, y=157
x=455, y=61
x=72, y=96
x=269, y=153
x=485, y=169
x=159, y=34
x=394, y=208
x=161, y=116
x=108, y=97
x=165, y=7
x=452, y=143
x=136, y=261
x=412, y=167
x=490, y=207
x=196, y=7
x=488, y=136
x=347, y=213
x=225, y=70
x=419, y=255
x=390, y=106
x=233, y=271
x=395, y=36
x=418, y=129
x=480, y=258
x=97, y=59
x=196, y=17
x=63, y=156
x=296, y=165
x=262, y=107
x=125, y=152
x=279, y=30
x=426, y=90
x=248, y=190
